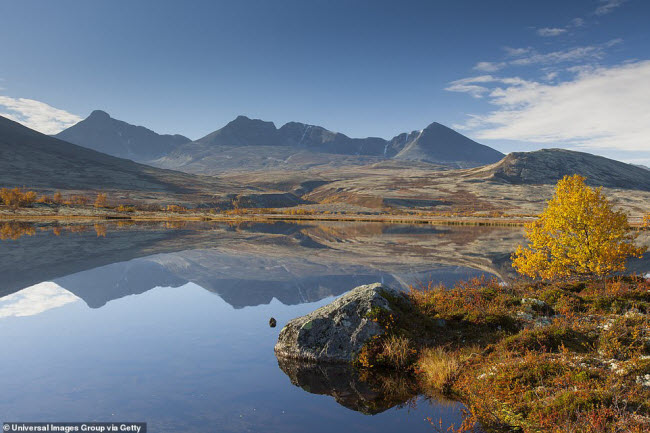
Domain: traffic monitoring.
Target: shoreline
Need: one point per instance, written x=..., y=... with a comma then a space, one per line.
x=464, y=221
x=388, y=219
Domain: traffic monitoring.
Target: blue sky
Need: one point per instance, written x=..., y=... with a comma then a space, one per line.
x=516, y=75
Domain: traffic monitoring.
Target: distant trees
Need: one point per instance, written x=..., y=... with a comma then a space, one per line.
x=78, y=200
x=101, y=201
x=124, y=208
x=17, y=197
x=175, y=208
x=577, y=234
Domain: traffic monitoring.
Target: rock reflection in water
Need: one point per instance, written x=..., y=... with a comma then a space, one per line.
x=362, y=391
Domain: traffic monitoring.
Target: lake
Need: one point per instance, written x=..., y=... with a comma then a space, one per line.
x=167, y=323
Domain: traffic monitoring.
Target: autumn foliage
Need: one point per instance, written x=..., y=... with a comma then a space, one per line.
x=17, y=197
x=101, y=201
x=578, y=234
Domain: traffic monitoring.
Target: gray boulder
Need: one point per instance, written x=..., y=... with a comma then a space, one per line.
x=336, y=332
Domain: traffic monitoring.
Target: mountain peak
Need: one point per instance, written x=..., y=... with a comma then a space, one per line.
x=438, y=143
x=435, y=125
x=102, y=133
x=246, y=121
x=99, y=114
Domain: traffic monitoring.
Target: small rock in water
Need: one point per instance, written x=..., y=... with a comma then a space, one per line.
x=272, y=322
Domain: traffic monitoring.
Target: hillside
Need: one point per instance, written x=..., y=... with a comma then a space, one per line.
x=104, y=134
x=547, y=166
x=29, y=158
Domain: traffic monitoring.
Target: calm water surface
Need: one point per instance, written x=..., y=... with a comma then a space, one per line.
x=168, y=323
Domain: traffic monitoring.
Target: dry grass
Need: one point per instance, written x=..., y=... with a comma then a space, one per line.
x=397, y=351
x=439, y=368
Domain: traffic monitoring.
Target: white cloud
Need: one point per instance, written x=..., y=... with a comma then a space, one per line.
x=551, y=75
x=549, y=32
x=516, y=52
x=489, y=66
x=36, y=114
x=598, y=108
x=471, y=85
x=607, y=6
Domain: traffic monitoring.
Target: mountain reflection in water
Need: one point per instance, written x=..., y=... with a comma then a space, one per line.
x=157, y=345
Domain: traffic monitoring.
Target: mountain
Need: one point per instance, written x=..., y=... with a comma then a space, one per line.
x=243, y=132
x=254, y=144
x=254, y=132
x=547, y=166
x=29, y=158
x=102, y=133
x=439, y=144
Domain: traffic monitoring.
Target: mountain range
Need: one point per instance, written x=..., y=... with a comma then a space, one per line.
x=251, y=163
x=305, y=144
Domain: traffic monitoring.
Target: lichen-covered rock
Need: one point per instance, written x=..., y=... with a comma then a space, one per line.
x=337, y=331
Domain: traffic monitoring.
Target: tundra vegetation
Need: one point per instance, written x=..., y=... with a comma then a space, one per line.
x=556, y=350
x=17, y=197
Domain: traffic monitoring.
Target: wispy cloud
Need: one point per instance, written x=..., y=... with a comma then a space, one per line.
x=577, y=22
x=37, y=115
x=606, y=107
x=489, y=66
x=516, y=52
x=529, y=56
x=550, y=32
x=607, y=6
x=472, y=85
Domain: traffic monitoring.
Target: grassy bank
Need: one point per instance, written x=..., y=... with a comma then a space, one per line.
x=562, y=357
x=87, y=212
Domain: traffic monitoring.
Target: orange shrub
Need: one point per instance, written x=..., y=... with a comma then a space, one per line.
x=100, y=201
x=79, y=200
x=16, y=197
x=123, y=208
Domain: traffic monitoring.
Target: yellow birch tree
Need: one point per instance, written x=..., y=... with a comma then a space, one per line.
x=578, y=234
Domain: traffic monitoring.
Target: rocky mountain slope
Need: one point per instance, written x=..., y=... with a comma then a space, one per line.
x=439, y=144
x=102, y=133
x=547, y=166
x=29, y=158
